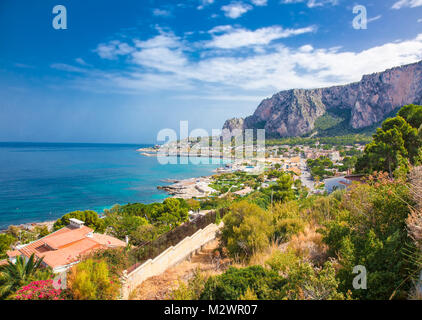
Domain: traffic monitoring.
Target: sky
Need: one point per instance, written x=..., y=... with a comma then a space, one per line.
x=123, y=70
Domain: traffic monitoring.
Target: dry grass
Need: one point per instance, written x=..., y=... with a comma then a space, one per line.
x=309, y=246
x=414, y=221
x=259, y=258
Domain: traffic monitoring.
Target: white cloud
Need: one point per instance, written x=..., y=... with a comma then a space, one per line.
x=204, y=3
x=81, y=61
x=407, y=3
x=113, y=49
x=419, y=20
x=374, y=18
x=236, y=38
x=313, y=3
x=163, y=52
x=306, y=48
x=164, y=62
x=286, y=68
x=67, y=68
x=260, y=2
x=161, y=13
x=219, y=29
x=235, y=9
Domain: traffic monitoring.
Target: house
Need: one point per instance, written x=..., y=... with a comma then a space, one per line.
x=337, y=183
x=65, y=247
x=335, y=156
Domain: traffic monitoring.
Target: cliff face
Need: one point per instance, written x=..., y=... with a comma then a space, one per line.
x=294, y=112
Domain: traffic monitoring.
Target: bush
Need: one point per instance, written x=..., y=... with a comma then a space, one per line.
x=91, y=280
x=39, y=290
x=282, y=261
x=371, y=231
x=191, y=290
x=247, y=229
x=285, y=228
x=235, y=283
x=304, y=282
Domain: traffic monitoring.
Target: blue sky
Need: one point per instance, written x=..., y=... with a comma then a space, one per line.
x=123, y=70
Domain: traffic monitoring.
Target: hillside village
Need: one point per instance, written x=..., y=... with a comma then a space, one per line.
x=305, y=163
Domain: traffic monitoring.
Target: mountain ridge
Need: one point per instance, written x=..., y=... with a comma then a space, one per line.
x=294, y=112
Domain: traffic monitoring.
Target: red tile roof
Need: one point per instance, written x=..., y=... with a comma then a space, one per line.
x=13, y=253
x=67, y=245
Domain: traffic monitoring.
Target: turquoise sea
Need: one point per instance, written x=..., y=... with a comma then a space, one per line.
x=43, y=181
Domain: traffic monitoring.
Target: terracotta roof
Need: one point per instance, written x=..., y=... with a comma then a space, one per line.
x=71, y=253
x=108, y=241
x=13, y=253
x=57, y=241
x=67, y=245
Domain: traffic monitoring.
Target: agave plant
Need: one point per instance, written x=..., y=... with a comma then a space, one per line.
x=15, y=275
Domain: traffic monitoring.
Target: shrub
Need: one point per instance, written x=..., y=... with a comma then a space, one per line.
x=371, y=231
x=285, y=210
x=247, y=229
x=91, y=280
x=282, y=261
x=234, y=283
x=305, y=282
x=191, y=290
x=285, y=228
x=248, y=295
x=39, y=290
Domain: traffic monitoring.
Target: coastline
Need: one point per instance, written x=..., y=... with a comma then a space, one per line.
x=30, y=225
x=163, y=187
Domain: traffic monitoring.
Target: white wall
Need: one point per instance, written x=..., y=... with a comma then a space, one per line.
x=168, y=258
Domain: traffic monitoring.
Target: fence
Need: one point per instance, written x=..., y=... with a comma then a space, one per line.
x=152, y=249
x=169, y=249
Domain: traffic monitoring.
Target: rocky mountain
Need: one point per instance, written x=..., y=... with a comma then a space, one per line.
x=357, y=105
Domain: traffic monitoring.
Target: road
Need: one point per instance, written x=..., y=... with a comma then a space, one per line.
x=306, y=175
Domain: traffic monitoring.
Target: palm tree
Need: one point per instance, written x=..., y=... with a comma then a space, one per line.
x=15, y=275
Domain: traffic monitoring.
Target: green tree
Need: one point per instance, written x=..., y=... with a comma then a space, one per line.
x=193, y=204
x=91, y=219
x=6, y=241
x=124, y=225
x=282, y=190
x=174, y=213
x=412, y=114
x=395, y=144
